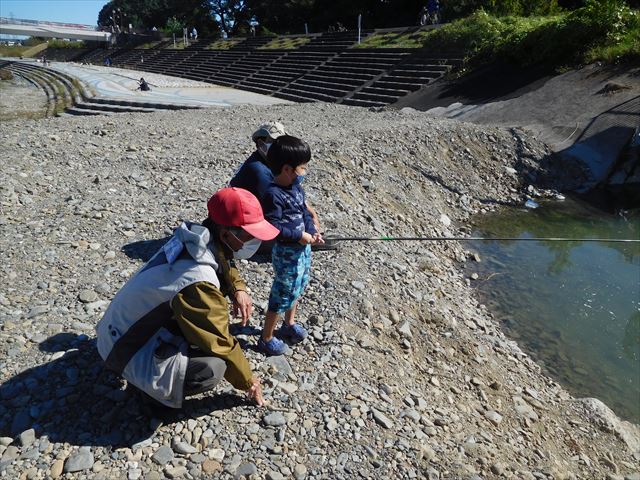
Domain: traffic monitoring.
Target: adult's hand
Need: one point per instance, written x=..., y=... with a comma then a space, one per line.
x=316, y=221
x=314, y=216
x=242, y=306
x=255, y=393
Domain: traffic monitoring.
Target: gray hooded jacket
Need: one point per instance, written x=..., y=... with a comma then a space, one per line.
x=133, y=335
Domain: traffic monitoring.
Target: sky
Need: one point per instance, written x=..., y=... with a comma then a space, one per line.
x=68, y=11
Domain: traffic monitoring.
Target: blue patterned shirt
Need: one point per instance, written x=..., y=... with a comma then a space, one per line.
x=285, y=209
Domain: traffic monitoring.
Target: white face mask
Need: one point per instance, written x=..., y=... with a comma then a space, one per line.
x=248, y=249
x=263, y=148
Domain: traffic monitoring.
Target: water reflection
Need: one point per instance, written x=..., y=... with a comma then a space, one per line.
x=631, y=342
x=574, y=306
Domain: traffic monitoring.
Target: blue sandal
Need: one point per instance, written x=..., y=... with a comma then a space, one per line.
x=294, y=333
x=274, y=346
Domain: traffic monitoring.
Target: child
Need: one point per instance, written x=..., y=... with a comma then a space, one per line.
x=284, y=207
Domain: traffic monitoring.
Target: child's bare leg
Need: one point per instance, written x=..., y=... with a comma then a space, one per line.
x=270, y=321
x=290, y=314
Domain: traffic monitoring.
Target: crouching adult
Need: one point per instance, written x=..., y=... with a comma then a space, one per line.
x=167, y=330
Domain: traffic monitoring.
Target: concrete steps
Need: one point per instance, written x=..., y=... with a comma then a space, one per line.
x=140, y=104
x=363, y=103
x=335, y=41
x=324, y=69
x=97, y=109
x=322, y=89
x=310, y=94
x=406, y=86
x=251, y=43
x=61, y=90
x=66, y=95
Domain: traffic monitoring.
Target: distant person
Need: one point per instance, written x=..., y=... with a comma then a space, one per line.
x=286, y=210
x=194, y=33
x=107, y=62
x=154, y=29
x=433, y=7
x=253, y=25
x=423, y=17
x=143, y=85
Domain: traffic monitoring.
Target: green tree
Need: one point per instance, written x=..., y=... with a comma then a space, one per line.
x=230, y=14
x=146, y=14
x=174, y=26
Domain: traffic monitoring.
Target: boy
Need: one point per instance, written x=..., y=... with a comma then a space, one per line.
x=254, y=174
x=284, y=207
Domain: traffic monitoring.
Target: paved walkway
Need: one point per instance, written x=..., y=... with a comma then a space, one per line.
x=119, y=83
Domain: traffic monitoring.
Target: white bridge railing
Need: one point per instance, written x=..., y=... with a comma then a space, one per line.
x=40, y=23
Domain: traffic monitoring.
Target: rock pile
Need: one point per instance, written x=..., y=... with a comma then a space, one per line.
x=404, y=374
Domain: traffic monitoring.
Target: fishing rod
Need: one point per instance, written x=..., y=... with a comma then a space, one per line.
x=486, y=239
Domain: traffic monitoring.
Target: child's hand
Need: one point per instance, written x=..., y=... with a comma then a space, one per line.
x=306, y=239
x=317, y=239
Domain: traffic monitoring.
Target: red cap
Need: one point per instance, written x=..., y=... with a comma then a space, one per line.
x=237, y=207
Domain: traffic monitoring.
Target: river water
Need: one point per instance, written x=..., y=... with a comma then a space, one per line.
x=573, y=306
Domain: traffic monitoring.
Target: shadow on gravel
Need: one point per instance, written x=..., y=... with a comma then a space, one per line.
x=73, y=399
x=143, y=249
x=497, y=81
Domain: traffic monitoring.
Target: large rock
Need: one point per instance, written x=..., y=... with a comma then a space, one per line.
x=275, y=419
x=604, y=417
x=79, y=461
x=163, y=455
x=27, y=437
x=381, y=419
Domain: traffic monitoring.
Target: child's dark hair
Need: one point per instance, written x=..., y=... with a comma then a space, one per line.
x=287, y=150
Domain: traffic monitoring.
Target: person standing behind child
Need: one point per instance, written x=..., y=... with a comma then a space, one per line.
x=284, y=207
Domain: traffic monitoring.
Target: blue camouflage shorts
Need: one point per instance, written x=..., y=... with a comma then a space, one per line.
x=291, y=265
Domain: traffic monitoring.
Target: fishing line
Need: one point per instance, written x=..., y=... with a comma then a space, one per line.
x=482, y=239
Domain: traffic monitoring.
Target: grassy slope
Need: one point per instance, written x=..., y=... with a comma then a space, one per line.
x=34, y=50
x=14, y=51
x=286, y=43
x=601, y=31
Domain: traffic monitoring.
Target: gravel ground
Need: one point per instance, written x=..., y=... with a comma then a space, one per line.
x=404, y=374
x=20, y=99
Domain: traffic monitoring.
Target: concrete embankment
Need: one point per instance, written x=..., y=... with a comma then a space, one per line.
x=587, y=116
x=404, y=375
